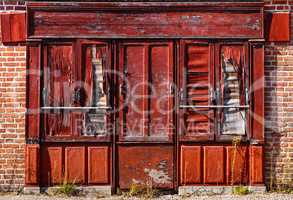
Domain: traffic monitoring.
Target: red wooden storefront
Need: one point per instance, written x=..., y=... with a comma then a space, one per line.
x=122, y=93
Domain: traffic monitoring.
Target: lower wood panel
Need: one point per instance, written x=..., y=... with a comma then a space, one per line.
x=79, y=164
x=32, y=164
x=221, y=165
x=51, y=172
x=213, y=164
x=98, y=165
x=256, y=165
x=190, y=168
x=237, y=165
x=75, y=164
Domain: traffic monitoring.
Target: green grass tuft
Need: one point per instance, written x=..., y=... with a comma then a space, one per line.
x=240, y=190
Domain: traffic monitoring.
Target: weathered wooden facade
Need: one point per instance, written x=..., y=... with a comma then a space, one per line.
x=122, y=93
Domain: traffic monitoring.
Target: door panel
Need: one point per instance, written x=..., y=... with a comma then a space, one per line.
x=196, y=84
x=142, y=165
x=146, y=100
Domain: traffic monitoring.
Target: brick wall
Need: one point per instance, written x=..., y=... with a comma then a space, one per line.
x=279, y=105
x=12, y=109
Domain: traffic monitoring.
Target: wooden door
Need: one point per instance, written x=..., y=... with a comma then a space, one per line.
x=146, y=135
x=146, y=91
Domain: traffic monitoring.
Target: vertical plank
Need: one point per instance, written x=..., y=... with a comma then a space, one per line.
x=257, y=114
x=214, y=164
x=32, y=164
x=52, y=166
x=237, y=165
x=98, y=165
x=33, y=92
x=161, y=79
x=190, y=165
x=256, y=165
x=75, y=164
x=133, y=89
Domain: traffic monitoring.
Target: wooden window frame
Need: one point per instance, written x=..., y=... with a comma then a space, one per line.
x=77, y=64
x=215, y=82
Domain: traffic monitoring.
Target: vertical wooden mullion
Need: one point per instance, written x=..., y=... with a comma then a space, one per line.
x=176, y=122
x=257, y=87
x=247, y=83
x=211, y=88
x=33, y=92
x=183, y=91
x=76, y=73
x=120, y=68
x=115, y=66
x=217, y=73
x=171, y=101
x=146, y=98
x=46, y=82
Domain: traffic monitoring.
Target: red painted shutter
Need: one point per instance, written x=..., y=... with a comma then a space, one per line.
x=196, y=124
x=146, y=99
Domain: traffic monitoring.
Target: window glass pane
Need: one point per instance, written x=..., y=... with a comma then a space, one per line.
x=233, y=118
x=94, y=78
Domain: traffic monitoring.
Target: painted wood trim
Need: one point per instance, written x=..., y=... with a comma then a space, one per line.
x=33, y=91
x=13, y=28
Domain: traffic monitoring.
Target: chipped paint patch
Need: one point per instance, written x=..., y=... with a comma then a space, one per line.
x=158, y=176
